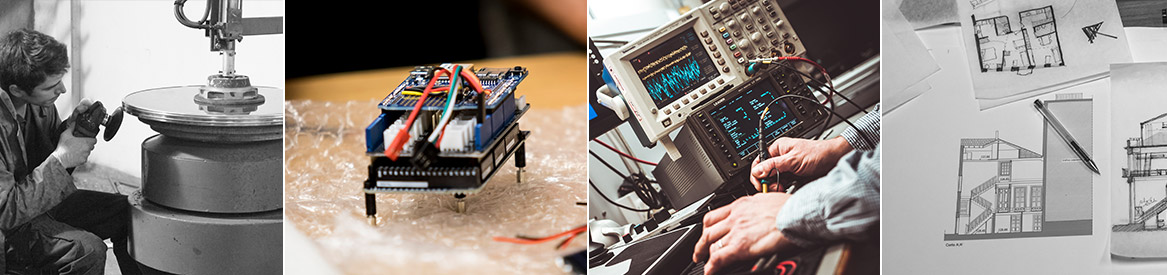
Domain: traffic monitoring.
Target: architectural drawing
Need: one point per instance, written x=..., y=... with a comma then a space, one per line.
x=979, y=3
x=1008, y=191
x=1145, y=174
x=1032, y=43
x=999, y=188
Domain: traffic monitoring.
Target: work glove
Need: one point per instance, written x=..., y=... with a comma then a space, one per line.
x=73, y=151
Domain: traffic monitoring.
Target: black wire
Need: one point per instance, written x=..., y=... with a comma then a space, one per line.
x=614, y=202
x=622, y=175
x=823, y=85
x=643, y=191
x=861, y=133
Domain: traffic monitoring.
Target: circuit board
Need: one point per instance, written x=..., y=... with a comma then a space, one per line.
x=480, y=138
x=501, y=81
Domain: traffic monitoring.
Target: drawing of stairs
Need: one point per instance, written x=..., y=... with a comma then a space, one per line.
x=980, y=189
x=983, y=202
x=980, y=220
x=1153, y=211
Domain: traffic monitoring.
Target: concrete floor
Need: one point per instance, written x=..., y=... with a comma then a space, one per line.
x=100, y=178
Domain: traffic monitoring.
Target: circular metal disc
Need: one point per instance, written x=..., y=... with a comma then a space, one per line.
x=177, y=105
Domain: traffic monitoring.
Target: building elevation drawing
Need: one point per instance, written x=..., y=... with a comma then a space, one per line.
x=1145, y=174
x=1008, y=191
x=1029, y=44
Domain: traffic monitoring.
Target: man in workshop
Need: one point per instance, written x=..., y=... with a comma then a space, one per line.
x=842, y=203
x=48, y=225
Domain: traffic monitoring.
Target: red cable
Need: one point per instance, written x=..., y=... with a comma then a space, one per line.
x=394, y=148
x=468, y=75
x=571, y=233
x=625, y=154
x=792, y=264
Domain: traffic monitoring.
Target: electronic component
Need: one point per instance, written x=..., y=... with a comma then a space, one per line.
x=452, y=147
x=727, y=129
x=678, y=68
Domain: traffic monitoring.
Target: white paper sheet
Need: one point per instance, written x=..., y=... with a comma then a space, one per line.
x=905, y=56
x=1138, y=123
x=1018, y=49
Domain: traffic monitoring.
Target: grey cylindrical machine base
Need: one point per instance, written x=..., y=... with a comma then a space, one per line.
x=210, y=177
x=182, y=242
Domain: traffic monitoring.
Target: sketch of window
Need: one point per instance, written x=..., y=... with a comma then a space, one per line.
x=1032, y=44
x=1003, y=200
x=1015, y=223
x=1005, y=165
x=1035, y=198
x=1037, y=222
x=1019, y=199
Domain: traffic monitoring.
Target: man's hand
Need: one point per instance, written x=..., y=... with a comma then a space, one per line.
x=803, y=157
x=73, y=151
x=743, y=230
x=82, y=106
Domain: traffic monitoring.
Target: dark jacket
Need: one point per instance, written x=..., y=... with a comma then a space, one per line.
x=31, y=181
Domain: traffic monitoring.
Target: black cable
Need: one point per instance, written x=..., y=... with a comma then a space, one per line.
x=821, y=85
x=645, y=193
x=861, y=133
x=622, y=175
x=614, y=202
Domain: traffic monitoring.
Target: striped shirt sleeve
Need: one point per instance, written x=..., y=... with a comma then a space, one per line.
x=868, y=126
x=843, y=205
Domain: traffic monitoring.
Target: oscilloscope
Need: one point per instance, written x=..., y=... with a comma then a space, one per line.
x=679, y=67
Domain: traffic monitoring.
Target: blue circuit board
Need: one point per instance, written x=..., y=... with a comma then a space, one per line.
x=500, y=107
x=500, y=81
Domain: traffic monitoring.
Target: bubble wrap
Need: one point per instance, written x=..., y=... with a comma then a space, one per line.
x=325, y=166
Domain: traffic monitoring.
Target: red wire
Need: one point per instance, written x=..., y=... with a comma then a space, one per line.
x=474, y=82
x=625, y=154
x=392, y=149
x=792, y=264
x=571, y=233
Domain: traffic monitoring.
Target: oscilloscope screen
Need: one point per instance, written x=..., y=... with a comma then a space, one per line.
x=739, y=115
x=674, y=68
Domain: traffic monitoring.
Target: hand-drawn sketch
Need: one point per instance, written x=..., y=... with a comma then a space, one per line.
x=979, y=3
x=1138, y=157
x=1092, y=32
x=1007, y=191
x=1145, y=173
x=1019, y=49
x=1034, y=44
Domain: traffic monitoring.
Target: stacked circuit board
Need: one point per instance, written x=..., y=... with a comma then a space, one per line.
x=483, y=134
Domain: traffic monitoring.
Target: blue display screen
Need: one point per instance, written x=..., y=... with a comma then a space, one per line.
x=673, y=68
x=738, y=117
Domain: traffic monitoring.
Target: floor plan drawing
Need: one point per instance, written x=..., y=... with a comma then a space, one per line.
x=1031, y=43
x=1008, y=191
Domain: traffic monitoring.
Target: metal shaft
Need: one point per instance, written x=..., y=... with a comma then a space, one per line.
x=228, y=62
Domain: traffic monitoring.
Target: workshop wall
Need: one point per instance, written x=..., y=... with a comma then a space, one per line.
x=121, y=47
